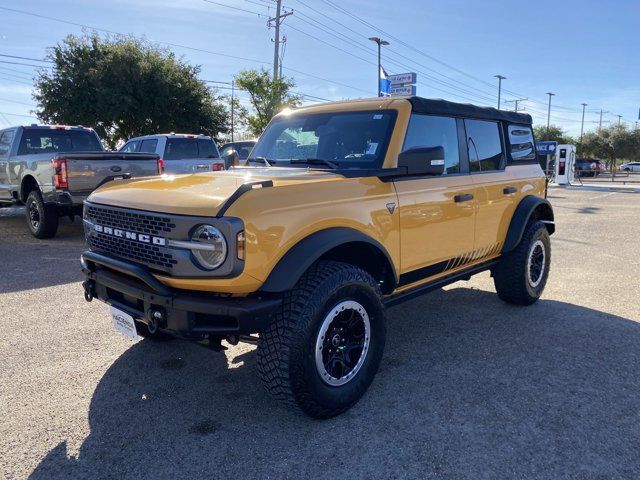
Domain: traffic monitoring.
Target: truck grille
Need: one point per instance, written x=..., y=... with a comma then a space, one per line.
x=155, y=256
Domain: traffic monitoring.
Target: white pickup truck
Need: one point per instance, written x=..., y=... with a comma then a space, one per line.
x=179, y=152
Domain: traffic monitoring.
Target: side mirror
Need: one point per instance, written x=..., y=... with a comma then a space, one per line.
x=231, y=159
x=422, y=160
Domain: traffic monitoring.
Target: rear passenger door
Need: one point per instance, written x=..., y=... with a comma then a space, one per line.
x=436, y=213
x=496, y=190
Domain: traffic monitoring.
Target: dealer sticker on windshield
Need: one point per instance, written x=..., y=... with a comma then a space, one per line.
x=123, y=322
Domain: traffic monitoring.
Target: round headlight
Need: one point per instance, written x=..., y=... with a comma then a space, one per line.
x=213, y=251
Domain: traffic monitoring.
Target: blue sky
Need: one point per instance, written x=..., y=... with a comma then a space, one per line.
x=583, y=51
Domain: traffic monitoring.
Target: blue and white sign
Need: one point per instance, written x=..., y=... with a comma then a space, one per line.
x=546, y=148
x=403, y=79
x=403, y=90
x=385, y=84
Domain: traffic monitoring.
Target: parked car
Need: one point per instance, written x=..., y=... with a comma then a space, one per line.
x=359, y=205
x=52, y=169
x=630, y=167
x=179, y=152
x=586, y=167
x=242, y=149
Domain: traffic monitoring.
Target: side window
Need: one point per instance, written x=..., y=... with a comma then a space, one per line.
x=521, y=142
x=130, y=147
x=148, y=146
x=485, y=147
x=5, y=142
x=207, y=149
x=432, y=131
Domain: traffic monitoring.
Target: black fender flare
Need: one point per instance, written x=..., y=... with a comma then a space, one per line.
x=529, y=206
x=302, y=255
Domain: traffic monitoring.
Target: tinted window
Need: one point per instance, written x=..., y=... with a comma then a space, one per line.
x=244, y=149
x=431, y=131
x=148, y=146
x=179, y=148
x=52, y=141
x=354, y=139
x=5, y=142
x=521, y=141
x=485, y=148
x=207, y=149
x=131, y=147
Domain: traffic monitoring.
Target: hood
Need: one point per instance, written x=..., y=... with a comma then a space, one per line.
x=196, y=194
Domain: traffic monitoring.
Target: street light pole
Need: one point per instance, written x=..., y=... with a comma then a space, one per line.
x=551, y=94
x=584, y=106
x=380, y=42
x=500, y=78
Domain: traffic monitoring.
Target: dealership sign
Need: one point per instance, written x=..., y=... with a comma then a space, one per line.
x=403, y=90
x=402, y=84
x=546, y=148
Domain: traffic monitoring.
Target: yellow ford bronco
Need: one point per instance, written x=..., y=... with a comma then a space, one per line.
x=347, y=208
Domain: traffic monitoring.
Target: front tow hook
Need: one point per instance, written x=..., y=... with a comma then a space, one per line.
x=89, y=286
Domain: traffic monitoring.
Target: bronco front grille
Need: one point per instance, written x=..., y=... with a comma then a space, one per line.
x=157, y=257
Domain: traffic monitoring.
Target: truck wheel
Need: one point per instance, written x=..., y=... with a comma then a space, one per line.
x=522, y=274
x=325, y=345
x=42, y=219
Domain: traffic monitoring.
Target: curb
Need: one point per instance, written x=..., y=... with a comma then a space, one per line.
x=598, y=188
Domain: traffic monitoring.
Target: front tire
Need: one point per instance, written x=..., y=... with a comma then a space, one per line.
x=522, y=274
x=323, y=349
x=42, y=219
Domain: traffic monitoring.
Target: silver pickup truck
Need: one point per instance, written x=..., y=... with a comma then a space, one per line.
x=52, y=169
x=179, y=152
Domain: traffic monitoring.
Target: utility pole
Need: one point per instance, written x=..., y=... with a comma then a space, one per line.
x=600, y=123
x=233, y=85
x=276, y=22
x=551, y=94
x=516, y=101
x=584, y=106
x=619, y=118
x=380, y=42
x=500, y=78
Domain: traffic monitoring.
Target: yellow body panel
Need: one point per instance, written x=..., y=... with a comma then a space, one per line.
x=425, y=227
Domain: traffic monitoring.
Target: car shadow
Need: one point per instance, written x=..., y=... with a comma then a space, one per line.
x=29, y=263
x=469, y=388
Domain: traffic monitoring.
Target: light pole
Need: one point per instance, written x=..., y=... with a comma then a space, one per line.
x=380, y=42
x=551, y=94
x=500, y=78
x=584, y=105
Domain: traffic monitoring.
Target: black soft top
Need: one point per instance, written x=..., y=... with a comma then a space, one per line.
x=443, y=107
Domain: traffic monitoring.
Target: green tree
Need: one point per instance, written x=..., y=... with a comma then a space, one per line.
x=612, y=143
x=268, y=96
x=553, y=134
x=124, y=87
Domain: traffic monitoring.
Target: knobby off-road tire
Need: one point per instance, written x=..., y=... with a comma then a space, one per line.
x=42, y=219
x=323, y=349
x=522, y=274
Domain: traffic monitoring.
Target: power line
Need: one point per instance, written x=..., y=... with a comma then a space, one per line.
x=19, y=103
x=23, y=58
x=24, y=64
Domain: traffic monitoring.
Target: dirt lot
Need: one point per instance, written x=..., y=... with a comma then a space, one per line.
x=469, y=387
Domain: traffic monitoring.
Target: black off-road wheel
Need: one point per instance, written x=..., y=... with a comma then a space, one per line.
x=522, y=274
x=322, y=351
x=42, y=219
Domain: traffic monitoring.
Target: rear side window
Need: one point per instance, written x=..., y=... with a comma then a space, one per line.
x=521, y=142
x=179, y=148
x=53, y=141
x=5, y=142
x=207, y=149
x=149, y=146
x=432, y=131
x=131, y=147
x=485, y=145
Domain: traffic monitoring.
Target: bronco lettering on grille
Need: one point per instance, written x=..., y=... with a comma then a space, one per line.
x=140, y=237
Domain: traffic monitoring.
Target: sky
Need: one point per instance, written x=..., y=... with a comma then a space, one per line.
x=583, y=51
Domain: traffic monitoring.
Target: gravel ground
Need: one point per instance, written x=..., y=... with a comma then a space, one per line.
x=469, y=387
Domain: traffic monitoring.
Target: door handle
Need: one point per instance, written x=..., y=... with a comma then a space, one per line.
x=463, y=198
x=509, y=190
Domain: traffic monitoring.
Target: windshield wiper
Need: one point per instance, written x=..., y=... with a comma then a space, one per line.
x=259, y=159
x=316, y=161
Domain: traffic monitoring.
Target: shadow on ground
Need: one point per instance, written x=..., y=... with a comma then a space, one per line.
x=28, y=262
x=469, y=388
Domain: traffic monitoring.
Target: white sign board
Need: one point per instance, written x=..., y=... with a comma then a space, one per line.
x=402, y=79
x=403, y=90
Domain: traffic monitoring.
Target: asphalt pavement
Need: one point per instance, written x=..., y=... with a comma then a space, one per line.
x=469, y=387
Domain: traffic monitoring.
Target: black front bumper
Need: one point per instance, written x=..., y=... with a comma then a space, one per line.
x=132, y=289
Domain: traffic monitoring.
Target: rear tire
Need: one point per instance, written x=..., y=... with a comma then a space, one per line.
x=522, y=274
x=323, y=349
x=42, y=219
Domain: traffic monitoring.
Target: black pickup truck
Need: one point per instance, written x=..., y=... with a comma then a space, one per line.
x=52, y=169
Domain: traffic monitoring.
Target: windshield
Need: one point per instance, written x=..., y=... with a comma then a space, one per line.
x=349, y=139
